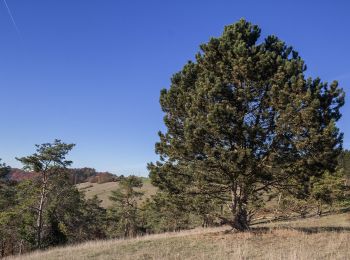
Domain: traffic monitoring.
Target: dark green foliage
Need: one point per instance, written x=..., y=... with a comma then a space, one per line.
x=63, y=212
x=325, y=192
x=124, y=213
x=7, y=201
x=6, y=187
x=48, y=157
x=93, y=220
x=163, y=213
x=4, y=170
x=329, y=190
x=243, y=119
x=49, y=161
x=47, y=210
x=344, y=163
x=71, y=218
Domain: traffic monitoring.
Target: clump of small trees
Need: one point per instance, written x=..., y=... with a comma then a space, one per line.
x=125, y=211
x=47, y=210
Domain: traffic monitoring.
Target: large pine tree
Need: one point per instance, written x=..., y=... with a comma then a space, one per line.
x=243, y=118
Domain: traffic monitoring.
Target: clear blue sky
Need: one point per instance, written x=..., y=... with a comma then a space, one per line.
x=90, y=71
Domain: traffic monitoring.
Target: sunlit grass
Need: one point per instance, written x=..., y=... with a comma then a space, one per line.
x=103, y=190
x=314, y=238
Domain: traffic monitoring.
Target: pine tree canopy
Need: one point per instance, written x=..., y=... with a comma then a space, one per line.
x=243, y=118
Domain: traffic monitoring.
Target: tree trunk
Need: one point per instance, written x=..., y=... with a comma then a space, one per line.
x=20, y=247
x=3, y=249
x=126, y=230
x=319, y=209
x=39, y=221
x=240, y=220
x=239, y=210
x=205, y=222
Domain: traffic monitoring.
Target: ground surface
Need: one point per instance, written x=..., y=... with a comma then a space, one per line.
x=103, y=191
x=313, y=238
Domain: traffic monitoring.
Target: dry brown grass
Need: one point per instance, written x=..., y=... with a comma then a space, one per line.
x=315, y=238
x=103, y=190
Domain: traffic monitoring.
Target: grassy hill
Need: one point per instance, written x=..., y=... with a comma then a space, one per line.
x=313, y=238
x=103, y=190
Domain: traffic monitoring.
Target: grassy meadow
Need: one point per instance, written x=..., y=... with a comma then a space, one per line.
x=103, y=190
x=327, y=237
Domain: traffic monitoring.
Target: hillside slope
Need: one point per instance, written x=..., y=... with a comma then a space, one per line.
x=103, y=190
x=314, y=238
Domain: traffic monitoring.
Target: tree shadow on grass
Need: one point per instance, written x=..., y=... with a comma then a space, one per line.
x=297, y=217
x=345, y=210
x=307, y=230
x=313, y=230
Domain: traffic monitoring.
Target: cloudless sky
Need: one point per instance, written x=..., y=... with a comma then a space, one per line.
x=90, y=71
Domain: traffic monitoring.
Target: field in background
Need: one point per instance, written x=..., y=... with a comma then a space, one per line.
x=103, y=190
x=313, y=238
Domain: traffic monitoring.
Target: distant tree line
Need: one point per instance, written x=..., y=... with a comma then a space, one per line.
x=76, y=175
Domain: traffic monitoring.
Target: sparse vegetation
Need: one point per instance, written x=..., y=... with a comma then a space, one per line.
x=315, y=238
